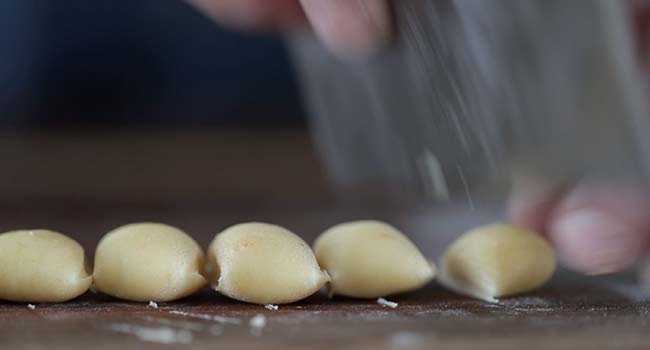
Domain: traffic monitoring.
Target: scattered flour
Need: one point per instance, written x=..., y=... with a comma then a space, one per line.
x=31, y=306
x=407, y=340
x=271, y=307
x=160, y=335
x=378, y=315
x=213, y=329
x=527, y=304
x=446, y=312
x=257, y=325
x=526, y=301
x=179, y=324
x=153, y=304
x=216, y=330
x=219, y=319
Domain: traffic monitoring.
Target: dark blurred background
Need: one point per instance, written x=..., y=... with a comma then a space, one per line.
x=144, y=101
x=142, y=64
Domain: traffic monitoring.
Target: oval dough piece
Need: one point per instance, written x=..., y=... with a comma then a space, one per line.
x=41, y=266
x=495, y=261
x=263, y=264
x=371, y=259
x=148, y=261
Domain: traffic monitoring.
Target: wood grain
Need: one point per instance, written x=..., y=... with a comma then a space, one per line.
x=569, y=316
x=159, y=165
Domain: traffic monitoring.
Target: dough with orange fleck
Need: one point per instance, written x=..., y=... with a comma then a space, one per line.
x=263, y=264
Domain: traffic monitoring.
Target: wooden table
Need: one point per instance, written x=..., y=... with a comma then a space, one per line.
x=573, y=312
x=570, y=316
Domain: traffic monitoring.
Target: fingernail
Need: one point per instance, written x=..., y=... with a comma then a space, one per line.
x=350, y=28
x=594, y=242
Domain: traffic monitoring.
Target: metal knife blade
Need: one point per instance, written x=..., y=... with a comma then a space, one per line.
x=472, y=92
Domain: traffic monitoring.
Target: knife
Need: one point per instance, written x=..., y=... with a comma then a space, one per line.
x=472, y=94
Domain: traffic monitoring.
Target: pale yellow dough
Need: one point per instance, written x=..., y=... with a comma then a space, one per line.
x=495, y=261
x=263, y=264
x=371, y=259
x=148, y=262
x=41, y=266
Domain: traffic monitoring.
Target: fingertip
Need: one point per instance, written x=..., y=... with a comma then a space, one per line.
x=594, y=242
x=600, y=230
x=350, y=28
x=252, y=14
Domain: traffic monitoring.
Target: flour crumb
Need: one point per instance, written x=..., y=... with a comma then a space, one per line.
x=153, y=304
x=271, y=307
x=31, y=306
x=387, y=303
x=257, y=324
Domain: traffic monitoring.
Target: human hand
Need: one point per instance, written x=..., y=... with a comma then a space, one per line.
x=596, y=228
x=350, y=28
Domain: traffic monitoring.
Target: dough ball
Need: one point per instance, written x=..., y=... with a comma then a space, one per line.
x=371, y=259
x=495, y=261
x=263, y=264
x=41, y=266
x=148, y=261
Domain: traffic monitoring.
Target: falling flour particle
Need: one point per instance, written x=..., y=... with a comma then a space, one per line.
x=433, y=175
x=387, y=303
x=220, y=319
x=31, y=306
x=257, y=324
x=153, y=304
x=161, y=335
x=271, y=307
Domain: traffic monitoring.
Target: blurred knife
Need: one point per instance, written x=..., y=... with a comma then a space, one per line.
x=474, y=91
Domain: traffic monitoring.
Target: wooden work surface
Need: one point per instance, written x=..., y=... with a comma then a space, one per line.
x=572, y=316
x=573, y=312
